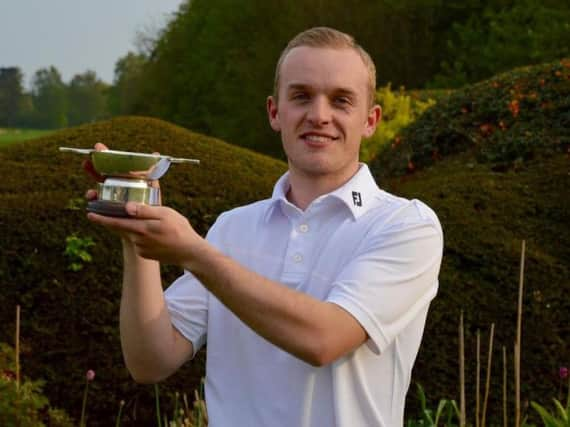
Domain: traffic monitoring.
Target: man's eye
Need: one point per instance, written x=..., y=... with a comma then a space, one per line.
x=342, y=100
x=301, y=96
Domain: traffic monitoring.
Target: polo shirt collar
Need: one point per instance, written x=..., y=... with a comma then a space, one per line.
x=357, y=195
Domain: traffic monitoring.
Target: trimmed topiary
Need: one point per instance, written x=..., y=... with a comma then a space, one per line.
x=496, y=173
x=70, y=318
x=506, y=120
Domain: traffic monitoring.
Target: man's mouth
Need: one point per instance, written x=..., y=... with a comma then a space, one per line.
x=318, y=138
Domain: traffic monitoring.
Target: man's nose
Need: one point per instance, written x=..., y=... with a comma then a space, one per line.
x=319, y=111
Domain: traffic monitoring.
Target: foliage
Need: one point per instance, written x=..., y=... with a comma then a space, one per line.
x=560, y=417
x=87, y=99
x=505, y=121
x=123, y=93
x=485, y=212
x=51, y=103
x=492, y=187
x=500, y=38
x=446, y=410
x=212, y=69
x=11, y=92
x=183, y=414
x=70, y=320
x=25, y=405
x=76, y=249
x=398, y=111
x=49, y=98
x=484, y=215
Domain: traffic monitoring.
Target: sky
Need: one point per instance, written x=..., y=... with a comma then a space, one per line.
x=75, y=35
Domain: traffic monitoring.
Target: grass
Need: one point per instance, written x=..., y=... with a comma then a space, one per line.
x=11, y=136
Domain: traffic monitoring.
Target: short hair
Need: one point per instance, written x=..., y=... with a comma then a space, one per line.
x=325, y=37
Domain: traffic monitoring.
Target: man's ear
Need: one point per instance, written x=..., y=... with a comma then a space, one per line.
x=373, y=119
x=273, y=114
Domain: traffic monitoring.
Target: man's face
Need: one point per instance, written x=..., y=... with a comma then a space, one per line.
x=322, y=111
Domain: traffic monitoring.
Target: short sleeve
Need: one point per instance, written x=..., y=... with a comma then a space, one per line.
x=392, y=279
x=187, y=303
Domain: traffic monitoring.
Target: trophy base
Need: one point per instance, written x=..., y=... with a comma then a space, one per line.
x=107, y=208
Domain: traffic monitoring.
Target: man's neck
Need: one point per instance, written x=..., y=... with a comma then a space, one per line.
x=303, y=189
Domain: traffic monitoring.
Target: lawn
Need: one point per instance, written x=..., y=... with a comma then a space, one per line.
x=8, y=136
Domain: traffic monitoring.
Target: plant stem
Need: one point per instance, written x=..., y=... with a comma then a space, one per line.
x=461, y=371
x=157, y=402
x=118, y=421
x=518, y=341
x=18, y=347
x=477, y=380
x=488, y=379
x=84, y=405
x=504, y=386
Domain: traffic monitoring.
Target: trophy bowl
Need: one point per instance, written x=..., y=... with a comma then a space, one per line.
x=127, y=177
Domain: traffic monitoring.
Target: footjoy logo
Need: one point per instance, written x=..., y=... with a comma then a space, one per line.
x=356, y=198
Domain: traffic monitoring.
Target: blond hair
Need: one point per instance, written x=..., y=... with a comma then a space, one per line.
x=324, y=37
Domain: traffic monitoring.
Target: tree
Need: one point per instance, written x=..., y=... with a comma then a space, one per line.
x=87, y=98
x=50, y=100
x=11, y=92
x=502, y=37
x=212, y=68
x=125, y=91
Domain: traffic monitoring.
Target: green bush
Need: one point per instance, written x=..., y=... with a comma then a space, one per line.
x=399, y=109
x=76, y=249
x=24, y=404
x=505, y=121
x=70, y=319
x=504, y=37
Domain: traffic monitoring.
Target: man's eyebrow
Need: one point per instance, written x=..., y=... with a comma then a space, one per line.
x=297, y=86
x=337, y=91
x=346, y=92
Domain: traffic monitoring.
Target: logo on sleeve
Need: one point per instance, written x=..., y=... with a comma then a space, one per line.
x=356, y=198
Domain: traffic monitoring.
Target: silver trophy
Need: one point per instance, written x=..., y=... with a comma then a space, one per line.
x=127, y=177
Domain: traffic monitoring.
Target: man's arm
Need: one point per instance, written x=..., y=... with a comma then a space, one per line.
x=316, y=332
x=152, y=348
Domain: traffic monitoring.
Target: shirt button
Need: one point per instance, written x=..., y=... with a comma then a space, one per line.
x=303, y=228
x=297, y=257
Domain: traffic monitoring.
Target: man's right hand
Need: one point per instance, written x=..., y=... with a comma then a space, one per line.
x=88, y=164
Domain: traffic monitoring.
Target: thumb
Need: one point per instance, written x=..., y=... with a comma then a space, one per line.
x=142, y=211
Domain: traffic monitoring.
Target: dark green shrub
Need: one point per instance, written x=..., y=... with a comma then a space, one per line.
x=70, y=319
x=506, y=120
x=496, y=172
x=399, y=109
x=24, y=404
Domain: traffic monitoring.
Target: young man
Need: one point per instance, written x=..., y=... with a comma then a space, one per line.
x=313, y=302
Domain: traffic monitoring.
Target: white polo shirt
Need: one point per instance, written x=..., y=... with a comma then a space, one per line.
x=374, y=254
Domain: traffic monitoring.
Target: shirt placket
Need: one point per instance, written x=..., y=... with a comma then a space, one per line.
x=298, y=254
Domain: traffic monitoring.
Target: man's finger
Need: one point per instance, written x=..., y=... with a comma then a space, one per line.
x=91, y=194
x=90, y=169
x=142, y=211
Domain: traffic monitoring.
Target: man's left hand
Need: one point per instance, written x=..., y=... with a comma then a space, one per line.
x=157, y=232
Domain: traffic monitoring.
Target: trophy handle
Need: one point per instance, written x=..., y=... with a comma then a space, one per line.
x=76, y=150
x=181, y=160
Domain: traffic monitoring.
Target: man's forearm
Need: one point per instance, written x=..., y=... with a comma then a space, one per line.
x=314, y=331
x=151, y=346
